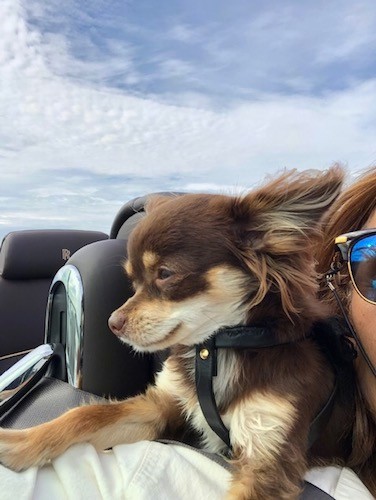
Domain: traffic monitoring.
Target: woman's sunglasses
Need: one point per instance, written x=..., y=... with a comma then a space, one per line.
x=358, y=249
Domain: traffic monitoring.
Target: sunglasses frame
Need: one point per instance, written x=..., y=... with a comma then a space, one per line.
x=345, y=243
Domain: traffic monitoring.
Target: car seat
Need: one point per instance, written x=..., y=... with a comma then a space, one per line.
x=83, y=295
x=28, y=263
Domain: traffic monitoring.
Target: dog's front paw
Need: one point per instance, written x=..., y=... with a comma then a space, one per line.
x=21, y=449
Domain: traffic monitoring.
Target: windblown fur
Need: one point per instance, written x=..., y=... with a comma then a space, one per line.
x=199, y=262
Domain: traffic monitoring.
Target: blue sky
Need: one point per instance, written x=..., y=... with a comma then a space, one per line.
x=101, y=101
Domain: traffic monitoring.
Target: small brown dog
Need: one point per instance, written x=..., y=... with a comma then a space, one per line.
x=198, y=263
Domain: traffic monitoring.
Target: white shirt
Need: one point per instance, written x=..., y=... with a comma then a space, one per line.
x=146, y=470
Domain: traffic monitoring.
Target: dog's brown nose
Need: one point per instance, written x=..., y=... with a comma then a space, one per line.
x=116, y=322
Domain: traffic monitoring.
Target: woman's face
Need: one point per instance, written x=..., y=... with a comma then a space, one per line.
x=363, y=315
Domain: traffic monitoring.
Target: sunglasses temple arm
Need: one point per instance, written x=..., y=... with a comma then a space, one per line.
x=359, y=344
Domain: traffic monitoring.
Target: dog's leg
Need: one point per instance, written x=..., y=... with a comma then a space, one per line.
x=142, y=417
x=268, y=461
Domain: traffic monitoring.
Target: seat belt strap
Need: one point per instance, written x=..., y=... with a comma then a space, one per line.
x=312, y=492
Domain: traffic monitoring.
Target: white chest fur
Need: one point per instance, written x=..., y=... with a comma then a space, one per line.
x=173, y=382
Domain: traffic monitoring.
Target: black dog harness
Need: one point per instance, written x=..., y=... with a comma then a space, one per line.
x=240, y=337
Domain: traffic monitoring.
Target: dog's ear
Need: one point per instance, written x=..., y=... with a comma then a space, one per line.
x=155, y=201
x=292, y=203
x=276, y=228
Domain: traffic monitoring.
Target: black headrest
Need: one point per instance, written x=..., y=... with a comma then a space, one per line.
x=130, y=214
x=133, y=208
x=128, y=225
x=38, y=254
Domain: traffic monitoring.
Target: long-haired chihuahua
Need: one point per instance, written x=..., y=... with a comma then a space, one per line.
x=200, y=262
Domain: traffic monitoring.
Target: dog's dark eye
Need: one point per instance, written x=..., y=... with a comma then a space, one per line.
x=164, y=273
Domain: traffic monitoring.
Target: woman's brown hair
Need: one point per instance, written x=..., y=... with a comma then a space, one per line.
x=350, y=212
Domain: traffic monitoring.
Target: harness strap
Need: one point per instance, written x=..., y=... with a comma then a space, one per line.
x=206, y=366
x=246, y=337
x=313, y=492
x=206, y=369
x=255, y=337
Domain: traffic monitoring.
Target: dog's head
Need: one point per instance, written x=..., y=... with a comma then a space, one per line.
x=199, y=262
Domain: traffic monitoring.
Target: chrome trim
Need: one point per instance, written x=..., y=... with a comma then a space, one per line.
x=70, y=277
x=18, y=375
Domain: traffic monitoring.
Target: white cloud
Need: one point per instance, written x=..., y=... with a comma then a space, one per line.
x=58, y=113
x=54, y=123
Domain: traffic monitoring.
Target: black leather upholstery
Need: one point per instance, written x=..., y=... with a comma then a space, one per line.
x=27, y=255
x=127, y=216
x=28, y=262
x=109, y=367
x=130, y=213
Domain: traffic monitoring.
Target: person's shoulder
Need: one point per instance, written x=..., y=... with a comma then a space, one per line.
x=339, y=482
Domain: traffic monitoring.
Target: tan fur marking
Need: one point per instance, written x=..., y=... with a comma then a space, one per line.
x=128, y=268
x=227, y=281
x=149, y=259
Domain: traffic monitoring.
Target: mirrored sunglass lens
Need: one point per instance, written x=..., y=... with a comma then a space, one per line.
x=363, y=266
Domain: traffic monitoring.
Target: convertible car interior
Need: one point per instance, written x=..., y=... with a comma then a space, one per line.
x=60, y=308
